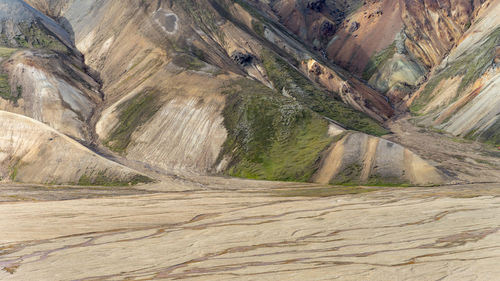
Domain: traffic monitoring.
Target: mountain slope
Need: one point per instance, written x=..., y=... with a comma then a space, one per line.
x=235, y=87
x=23, y=26
x=390, y=43
x=32, y=152
x=461, y=94
x=51, y=88
x=42, y=77
x=203, y=42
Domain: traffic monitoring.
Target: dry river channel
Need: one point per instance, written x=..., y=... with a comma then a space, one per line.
x=244, y=230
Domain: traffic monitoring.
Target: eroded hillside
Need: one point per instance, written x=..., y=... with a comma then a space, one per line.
x=461, y=96
x=390, y=43
x=251, y=89
x=249, y=139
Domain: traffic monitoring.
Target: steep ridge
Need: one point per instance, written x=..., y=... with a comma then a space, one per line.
x=219, y=87
x=461, y=96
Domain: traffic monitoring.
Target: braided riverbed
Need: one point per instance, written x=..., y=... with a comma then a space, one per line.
x=240, y=230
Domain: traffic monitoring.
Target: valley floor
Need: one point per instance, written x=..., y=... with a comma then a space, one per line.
x=246, y=230
x=463, y=161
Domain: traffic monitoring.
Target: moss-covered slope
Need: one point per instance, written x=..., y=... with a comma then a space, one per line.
x=289, y=80
x=269, y=136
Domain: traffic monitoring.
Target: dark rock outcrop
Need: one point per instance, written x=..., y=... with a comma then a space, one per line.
x=242, y=58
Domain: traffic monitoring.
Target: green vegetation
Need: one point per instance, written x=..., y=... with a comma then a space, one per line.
x=13, y=173
x=471, y=66
x=349, y=175
x=133, y=113
x=386, y=182
x=459, y=139
x=6, y=91
x=284, y=76
x=492, y=134
x=189, y=62
x=203, y=16
x=258, y=27
x=467, y=25
x=6, y=52
x=102, y=180
x=374, y=182
x=36, y=36
x=19, y=91
x=269, y=136
x=5, y=88
x=378, y=60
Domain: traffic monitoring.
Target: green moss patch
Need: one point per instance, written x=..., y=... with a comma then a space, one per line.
x=6, y=52
x=189, y=62
x=34, y=35
x=4, y=86
x=258, y=27
x=270, y=137
x=102, y=180
x=284, y=76
x=386, y=182
x=133, y=114
x=377, y=60
x=6, y=92
x=492, y=134
x=13, y=173
x=349, y=175
x=203, y=16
